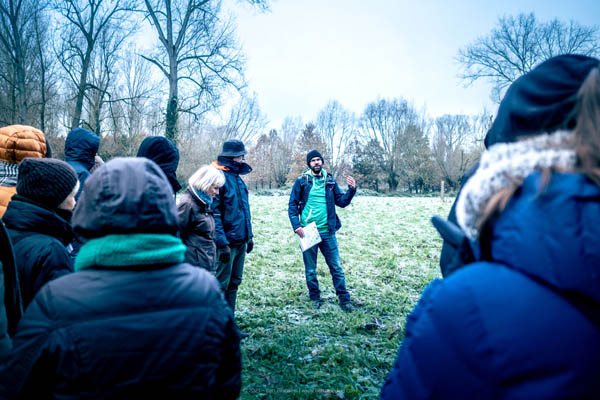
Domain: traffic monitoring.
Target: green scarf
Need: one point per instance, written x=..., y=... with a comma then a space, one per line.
x=130, y=250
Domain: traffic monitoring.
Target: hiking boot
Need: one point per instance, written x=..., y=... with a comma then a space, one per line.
x=348, y=307
x=316, y=304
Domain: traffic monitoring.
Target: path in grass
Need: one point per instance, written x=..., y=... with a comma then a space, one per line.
x=389, y=253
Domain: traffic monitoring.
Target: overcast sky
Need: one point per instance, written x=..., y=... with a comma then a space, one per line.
x=303, y=53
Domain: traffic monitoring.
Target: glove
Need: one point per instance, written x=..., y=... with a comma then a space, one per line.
x=249, y=246
x=224, y=254
x=465, y=251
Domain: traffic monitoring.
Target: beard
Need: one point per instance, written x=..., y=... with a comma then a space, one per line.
x=316, y=169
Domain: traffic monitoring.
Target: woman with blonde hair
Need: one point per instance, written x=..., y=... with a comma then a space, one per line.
x=196, y=217
x=521, y=319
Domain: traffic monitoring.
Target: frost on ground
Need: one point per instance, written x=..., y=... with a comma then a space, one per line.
x=389, y=252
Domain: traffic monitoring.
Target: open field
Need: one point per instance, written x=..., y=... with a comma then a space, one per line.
x=389, y=251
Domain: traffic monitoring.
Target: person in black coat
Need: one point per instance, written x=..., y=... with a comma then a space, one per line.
x=11, y=307
x=133, y=321
x=233, y=222
x=164, y=153
x=38, y=222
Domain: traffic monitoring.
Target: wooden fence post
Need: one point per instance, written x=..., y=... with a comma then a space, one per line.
x=442, y=191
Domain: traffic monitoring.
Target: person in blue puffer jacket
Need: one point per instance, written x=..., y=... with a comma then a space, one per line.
x=81, y=147
x=522, y=319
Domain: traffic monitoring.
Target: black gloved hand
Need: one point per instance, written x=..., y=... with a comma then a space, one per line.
x=249, y=246
x=224, y=254
x=464, y=250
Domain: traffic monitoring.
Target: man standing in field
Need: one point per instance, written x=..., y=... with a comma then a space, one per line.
x=232, y=219
x=313, y=199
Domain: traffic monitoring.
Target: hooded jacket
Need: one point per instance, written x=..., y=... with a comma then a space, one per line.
x=232, y=209
x=40, y=238
x=163, y=152
x=334, y=196
x=525, y=322
x=126, y=329
x=197, y=230
x=81, y=147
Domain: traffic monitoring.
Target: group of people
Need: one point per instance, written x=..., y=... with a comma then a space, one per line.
x=112, y=288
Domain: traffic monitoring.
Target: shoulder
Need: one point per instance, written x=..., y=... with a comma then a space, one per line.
x=301, y=180
x=101, y=291
x=500, y=306
x=185, y=200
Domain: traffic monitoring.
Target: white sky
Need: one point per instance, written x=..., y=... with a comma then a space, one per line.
x=303, y=53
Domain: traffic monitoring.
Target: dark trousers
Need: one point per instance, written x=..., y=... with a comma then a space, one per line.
x=329, y=249
x=229, y=274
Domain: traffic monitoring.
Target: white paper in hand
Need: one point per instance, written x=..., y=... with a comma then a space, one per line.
x=311, y=237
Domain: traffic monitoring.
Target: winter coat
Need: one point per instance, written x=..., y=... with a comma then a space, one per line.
x=333, y=195
x=10, y=294
x=197, y=231
x=232, y=209
x=146, y=330
x=163, y=152
x=40, y=239
x=450, y=260
x=525, y=322
x=81, y=147
x=16, y=143
x=6, y=194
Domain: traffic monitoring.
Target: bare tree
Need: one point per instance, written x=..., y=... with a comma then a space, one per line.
x=47, y=79
x=387, y=121
x=18, y=47
x=85, y=23
x=101, y=79
x=338, y=127
x=453, y=134
x=129, y=112
x=245, y=120
x=197, y=51
x=517, y=44
x=291, y=128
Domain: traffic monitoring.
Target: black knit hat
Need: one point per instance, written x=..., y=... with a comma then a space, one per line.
x=46, y=180
x=312, y=154
x=233, y=148
x=543, y=100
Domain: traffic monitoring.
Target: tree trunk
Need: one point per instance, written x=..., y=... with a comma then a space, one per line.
x=171, y=120
x=43, y=93
x=22, y=92
x=20, y=70
x=81, y=88
x=173, y=104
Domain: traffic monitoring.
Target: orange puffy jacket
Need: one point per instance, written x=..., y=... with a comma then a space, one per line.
x=16, y=143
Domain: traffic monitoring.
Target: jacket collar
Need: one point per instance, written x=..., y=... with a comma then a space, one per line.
x=23, y=214
x=200, y=197
x=227, y=164
x=505, y=164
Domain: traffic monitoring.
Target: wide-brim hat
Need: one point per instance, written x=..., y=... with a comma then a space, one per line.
x=233, y=148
